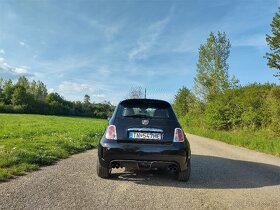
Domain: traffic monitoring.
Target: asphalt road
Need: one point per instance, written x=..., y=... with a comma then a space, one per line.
x=223, y=177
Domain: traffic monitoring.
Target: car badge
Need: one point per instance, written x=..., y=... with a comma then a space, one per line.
x=145, y=122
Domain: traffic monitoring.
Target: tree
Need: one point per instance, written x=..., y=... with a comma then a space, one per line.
x=212, y=67
x=54, y=97
x=87, y=108
x=1, y=89
x=273, y=57
x=135, y=92
x=87, y=99
x=8, y=89
x=183, y=101
x=32, y=97
x=38, y=90
x=57, y=104
x=20, y=96
x=273, y=101
x=23, y=81
x=42, y=91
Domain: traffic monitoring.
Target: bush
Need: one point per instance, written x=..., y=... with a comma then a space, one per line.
x=253, y=107
x=273, y=104
x=244, y=108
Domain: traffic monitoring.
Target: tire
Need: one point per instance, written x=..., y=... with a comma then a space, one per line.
x=102, y=172
x=185, y=174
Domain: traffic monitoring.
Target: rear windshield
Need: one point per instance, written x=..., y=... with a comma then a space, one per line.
x=145, y=109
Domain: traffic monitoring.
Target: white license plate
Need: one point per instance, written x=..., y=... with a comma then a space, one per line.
x=141, y=135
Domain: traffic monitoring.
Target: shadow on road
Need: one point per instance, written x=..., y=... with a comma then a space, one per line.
x=209, y=172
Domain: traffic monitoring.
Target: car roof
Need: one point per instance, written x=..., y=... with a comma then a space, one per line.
x=145, y=101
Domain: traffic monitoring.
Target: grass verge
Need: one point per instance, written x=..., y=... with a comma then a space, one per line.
x=30, y=141
x=262, y=141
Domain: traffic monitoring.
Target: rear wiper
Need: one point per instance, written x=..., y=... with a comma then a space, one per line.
x=138, y=116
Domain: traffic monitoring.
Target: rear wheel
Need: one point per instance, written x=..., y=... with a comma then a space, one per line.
x=185, y=174
x=102, y=171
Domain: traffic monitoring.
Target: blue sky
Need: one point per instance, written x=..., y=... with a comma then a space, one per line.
x=104, y=48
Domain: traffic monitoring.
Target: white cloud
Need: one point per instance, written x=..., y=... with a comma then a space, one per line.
x=83, y=87
x=257, y=40
x=75, y=91
x=103, y=71
x=20, y=70
x=22, y=43
x=148, y=39
x=2, y=51
x=109, y=31
x=72, y=86
x=99, y=96
x=65, y=64
x=7, y=69
x=51, y=90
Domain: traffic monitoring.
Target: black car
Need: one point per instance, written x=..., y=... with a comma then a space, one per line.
x=144, y=134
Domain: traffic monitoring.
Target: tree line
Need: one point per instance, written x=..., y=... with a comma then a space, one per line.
x=251, y=107
x=219, y=102
x=33, y=98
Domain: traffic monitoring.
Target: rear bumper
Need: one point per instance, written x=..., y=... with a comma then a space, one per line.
x=133, y=154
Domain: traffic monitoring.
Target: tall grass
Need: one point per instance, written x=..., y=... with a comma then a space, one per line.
x=261, y=140
x=30, y=141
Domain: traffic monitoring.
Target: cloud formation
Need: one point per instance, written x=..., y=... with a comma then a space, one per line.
x=146, y=41
x=72, y=86
x=108, y=30
x=9, y=71
x=75, y=91
x=255, y=40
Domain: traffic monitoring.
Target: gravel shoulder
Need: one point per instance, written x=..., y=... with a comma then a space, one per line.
x=223, y=177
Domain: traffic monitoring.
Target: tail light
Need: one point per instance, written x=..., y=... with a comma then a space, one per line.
x=111, y=132
x=178, y=135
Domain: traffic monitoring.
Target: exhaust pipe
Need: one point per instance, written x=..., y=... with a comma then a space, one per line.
x=172, y=168
x=115, y=165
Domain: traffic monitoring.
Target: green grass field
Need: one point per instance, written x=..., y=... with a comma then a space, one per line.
x=30, y=141
x=262, y=141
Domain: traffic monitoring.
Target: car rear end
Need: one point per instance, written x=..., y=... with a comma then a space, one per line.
x=144, y=134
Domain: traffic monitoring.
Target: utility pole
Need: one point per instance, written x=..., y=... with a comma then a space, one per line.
x=145, y=93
